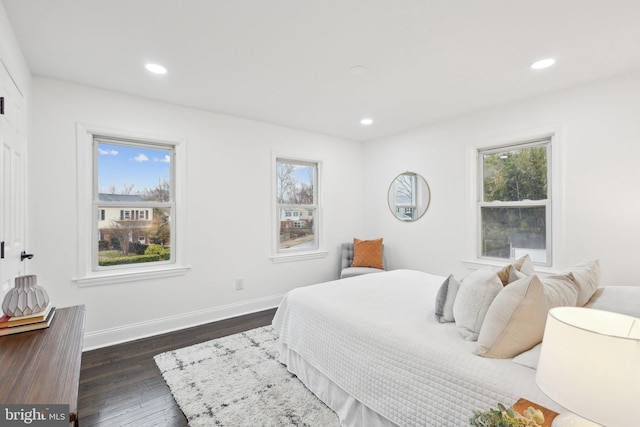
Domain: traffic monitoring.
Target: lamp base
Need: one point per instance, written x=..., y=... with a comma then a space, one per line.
x=569, y=419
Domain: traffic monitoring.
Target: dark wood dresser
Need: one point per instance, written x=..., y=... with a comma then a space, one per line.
x=43, y=366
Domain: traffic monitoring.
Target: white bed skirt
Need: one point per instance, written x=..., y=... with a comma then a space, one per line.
x=352, y=412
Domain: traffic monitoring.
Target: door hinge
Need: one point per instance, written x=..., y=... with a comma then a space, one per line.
x=1, y=104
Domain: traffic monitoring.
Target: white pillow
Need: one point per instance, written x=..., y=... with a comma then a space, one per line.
x=619, y=299
x=445, y=298
x=587, y=277
x=516, y=319
x=474, y=297
x=515, y=275
x=524, y=265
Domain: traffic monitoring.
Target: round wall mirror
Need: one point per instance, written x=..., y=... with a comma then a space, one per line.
x=409, y=196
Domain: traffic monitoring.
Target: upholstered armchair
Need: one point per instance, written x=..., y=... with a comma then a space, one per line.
x=346, y=259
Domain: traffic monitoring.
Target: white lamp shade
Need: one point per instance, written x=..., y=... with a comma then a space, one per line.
x=590, y=364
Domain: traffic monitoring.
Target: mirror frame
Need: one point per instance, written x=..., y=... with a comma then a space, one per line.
x=421, y=205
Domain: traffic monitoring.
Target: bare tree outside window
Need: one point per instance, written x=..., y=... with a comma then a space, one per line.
x=296, y=193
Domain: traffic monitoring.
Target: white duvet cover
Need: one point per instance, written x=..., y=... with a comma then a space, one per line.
x=376, y=337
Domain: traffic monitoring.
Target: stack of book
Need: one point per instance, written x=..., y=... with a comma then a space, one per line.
x=13, y=325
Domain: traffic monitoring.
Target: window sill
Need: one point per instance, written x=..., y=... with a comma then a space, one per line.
x=298, y=256
x=111, y=277
x=477, y=264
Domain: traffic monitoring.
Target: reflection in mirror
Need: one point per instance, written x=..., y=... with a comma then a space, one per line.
x=409, y=196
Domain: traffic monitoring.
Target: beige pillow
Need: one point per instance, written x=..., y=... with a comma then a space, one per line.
x=516, y=319
x=367, y=253
x=587, y=277
x=560, y=290
x=505, y=273
x=474, y=297
x=509, y=274
x=520, y=268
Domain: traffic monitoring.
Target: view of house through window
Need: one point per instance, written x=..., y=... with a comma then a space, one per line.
x=515, y=202
x=296, y=188
x=133, y=198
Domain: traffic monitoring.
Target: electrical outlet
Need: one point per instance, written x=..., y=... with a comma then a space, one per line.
x=239, y=284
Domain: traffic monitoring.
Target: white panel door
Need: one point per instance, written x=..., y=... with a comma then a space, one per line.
x=12, y=180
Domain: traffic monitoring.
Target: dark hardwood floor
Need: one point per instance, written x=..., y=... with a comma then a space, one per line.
x=122, y=386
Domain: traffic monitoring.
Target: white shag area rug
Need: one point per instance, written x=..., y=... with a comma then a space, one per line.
x=237, y=381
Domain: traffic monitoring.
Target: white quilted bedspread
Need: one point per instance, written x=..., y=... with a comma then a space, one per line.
x=377, y=338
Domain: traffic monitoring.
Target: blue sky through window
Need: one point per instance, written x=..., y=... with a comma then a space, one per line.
x=123, y=165
x=303, y=174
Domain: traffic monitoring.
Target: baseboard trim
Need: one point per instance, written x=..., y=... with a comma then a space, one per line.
x=134, y=331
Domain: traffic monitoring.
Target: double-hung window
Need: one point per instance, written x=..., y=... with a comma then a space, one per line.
x=514, y=201
x=297, y=206
x=133, y=192
x=131, y=198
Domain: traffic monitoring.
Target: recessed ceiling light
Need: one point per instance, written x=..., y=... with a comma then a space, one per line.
x=366, y=121
x=156, y=68
x=358, y=70
x=543, y=63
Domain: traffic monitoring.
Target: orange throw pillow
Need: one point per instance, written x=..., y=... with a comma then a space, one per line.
x=367, y=253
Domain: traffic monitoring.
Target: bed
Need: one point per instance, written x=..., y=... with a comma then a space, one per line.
x=371, y=348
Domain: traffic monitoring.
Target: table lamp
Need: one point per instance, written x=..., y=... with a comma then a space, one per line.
x=590, y=364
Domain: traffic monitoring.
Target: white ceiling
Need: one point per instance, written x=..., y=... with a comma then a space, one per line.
x=287, y=61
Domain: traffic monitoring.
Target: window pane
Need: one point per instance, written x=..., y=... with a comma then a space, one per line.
x=296, y=205
x=297, y=229
x=515, y=175
x=136, y=173
x=512, y=232
x=295, y=183
x=133, y=235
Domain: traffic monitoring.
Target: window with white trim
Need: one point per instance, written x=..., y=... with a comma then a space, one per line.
x=131, y=199
x=514, y=201
x=297, y=206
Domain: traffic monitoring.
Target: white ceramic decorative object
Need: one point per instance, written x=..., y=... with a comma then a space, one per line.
x=25, y=298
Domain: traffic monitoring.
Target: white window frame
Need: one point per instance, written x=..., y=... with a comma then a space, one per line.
x=546, y=203
x=473, y=195
x=278, y=255
x=88, y=273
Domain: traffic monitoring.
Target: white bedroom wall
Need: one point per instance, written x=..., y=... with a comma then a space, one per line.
x=229, y=210
x=11, y=54
x=600, y=137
